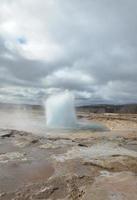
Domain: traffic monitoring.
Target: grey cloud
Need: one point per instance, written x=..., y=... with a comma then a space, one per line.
x=97, y=38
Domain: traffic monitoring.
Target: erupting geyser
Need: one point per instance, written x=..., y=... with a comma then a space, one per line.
x=60, y=111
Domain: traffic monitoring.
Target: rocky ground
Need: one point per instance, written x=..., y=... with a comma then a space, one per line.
x=80, y=165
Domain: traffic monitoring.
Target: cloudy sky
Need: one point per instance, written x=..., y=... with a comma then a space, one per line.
x=88, y=47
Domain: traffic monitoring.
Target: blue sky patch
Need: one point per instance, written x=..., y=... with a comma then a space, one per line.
x=21, y=40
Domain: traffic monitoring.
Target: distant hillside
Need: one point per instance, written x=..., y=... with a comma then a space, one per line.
x=127, y=108
x=19, y=106
x=102, y=108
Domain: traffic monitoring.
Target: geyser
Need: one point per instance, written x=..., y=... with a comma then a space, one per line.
x=60, y=114
x=60, y=111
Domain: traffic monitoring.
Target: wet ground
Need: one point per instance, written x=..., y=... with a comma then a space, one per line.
x=75, y=165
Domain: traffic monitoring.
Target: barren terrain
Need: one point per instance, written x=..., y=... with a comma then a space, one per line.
x=75, y=165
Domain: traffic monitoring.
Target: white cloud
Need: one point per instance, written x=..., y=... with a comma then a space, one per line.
x=22, y=19
x=67, y=77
